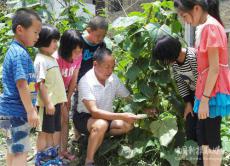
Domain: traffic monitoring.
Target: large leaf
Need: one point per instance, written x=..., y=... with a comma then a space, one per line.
x=146, y=90
x=164, y=129
x=123, y=22
x=109, y=145
x=129, y=153
x=161, y=77
x=153, y=30
x=138, y=148
x=133, y=72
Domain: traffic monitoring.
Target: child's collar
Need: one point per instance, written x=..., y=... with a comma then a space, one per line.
x=84, y=36
x=19, y=44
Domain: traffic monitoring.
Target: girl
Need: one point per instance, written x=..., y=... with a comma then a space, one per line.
x=51, y=95
x=69, y=58
x=213, y=83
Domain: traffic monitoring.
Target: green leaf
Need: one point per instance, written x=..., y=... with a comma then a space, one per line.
x=109, y=145
x=164, y=30
x=176, y=26
x=171, y=157
x=109, y=43
x=153, y=30
x=119, y=38
x=123, y=22
x=146, y=90
x=138, y=98
x=192, y=151
x=164, y=129
x=133, y=73
x=129, y=153
x=226, y=143
x=161, y=77
x=127, y=108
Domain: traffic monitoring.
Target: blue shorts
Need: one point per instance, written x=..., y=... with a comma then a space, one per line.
x=17, y=133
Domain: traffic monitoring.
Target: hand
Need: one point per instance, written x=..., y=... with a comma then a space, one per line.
x=188, y=109
x=50, y=109
x=130, y=118
x=33, y=118
x=203, y=111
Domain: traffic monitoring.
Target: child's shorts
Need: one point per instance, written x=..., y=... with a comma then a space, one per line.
x=208, y=132
x=17, y=129
x=50, y=123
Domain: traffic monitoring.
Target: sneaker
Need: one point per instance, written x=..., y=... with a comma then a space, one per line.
x=52, y=152
x=39, y=158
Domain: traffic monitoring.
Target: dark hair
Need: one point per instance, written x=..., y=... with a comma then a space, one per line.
x=167, y=49
x=100, y=53
x=98, y=22
x=213, y=10
x=24, y=17
x=47, y=34
x=211, y=6
x=69, y=41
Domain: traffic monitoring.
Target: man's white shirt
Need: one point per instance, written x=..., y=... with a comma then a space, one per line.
x=90, y=88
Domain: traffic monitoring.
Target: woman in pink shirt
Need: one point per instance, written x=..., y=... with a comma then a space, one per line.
x=69, y=58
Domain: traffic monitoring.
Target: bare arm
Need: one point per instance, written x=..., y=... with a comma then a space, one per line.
x=213, y=59
x=102, y=114
x=46, y=99
x=24, y=93
x=72, y=86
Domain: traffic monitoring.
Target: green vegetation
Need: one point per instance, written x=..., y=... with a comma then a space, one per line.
x=159, y=139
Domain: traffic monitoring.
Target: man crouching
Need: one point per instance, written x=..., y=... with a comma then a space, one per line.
x=97, y=91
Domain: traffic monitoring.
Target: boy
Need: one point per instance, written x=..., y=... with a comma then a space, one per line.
x=184, y=64
x=17, y=103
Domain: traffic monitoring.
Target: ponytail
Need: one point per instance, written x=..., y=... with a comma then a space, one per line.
x=213, y=10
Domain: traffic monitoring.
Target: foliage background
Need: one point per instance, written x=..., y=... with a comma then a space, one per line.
x=160, y=139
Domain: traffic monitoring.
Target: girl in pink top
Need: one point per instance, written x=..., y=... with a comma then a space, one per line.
x=69, y=58
x=213, y=84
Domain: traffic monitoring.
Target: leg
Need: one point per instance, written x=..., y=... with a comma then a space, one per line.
x=119, y=127
x=213, y=126
x=49, y=139
x=41, y=141
x=57, y=138
x=9, y=158
x=215, y=157
x=64, y=128
x=57, y=134
x=19, y=159
x=19, y=144
x=202, y=143
x=74, y=101
x=97, y=129
x=205, y=153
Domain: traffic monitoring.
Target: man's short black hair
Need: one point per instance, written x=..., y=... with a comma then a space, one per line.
x=100, y=53
x=98, y=22
x=24, y=17
x=167, y=49
x=47, y=34
x=69, y=41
